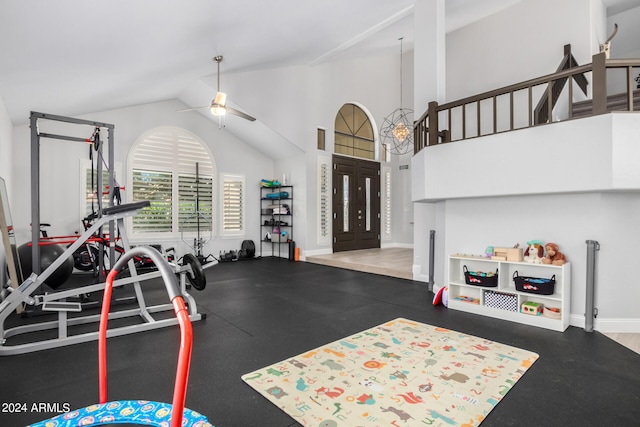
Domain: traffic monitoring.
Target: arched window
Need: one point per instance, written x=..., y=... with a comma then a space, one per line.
x=354, y=135
x=173, y=169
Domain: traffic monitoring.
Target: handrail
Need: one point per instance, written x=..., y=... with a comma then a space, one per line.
x=428, y=132
x=623, y=62
x=517, y=86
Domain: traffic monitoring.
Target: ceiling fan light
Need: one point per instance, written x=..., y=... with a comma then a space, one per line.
x=218, y=110
x=220, y=99
x=218, y=106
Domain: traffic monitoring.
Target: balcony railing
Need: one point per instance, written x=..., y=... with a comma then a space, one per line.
x=514, y=107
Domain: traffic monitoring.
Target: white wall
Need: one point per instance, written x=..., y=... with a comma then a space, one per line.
x=60, y=188
x=568, y=220
x=469, y=225
x=429, y=53
x=402, y=212
x=6, y=131
x=623, y=45
x=516, y=44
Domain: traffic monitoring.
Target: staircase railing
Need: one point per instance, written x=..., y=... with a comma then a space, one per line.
x=543, y=110
x=512, y=107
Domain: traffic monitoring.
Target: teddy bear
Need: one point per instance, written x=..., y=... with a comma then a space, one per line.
x=534, y=252
x=553, y=256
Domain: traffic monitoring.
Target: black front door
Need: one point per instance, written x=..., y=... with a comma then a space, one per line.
x=356, y=204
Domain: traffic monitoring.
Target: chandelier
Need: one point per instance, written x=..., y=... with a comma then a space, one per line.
x=397, y=128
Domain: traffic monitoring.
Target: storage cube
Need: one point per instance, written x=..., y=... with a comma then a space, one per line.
x=501, y=300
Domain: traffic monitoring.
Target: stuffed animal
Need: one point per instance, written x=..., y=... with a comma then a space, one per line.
x=553, y=256
x=534, y=252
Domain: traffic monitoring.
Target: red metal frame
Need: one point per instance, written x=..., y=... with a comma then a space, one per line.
x=102, y=239
x=184, y=356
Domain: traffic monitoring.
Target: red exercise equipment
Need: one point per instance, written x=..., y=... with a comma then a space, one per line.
x=139, y=411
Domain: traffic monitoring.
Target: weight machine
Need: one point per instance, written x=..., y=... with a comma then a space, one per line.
x=58, y=302
x=36, y=137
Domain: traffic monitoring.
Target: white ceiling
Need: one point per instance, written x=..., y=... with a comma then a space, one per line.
x=73, y=57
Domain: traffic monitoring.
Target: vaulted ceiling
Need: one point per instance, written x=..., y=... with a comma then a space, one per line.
x=73, y=57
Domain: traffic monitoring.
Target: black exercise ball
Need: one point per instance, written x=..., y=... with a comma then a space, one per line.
x=48, y=254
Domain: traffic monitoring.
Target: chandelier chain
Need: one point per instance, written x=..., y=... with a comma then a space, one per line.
x=401, y=70
x=397, y=128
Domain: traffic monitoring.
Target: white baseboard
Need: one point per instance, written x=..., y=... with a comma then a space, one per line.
x=608, y=325
x=617, y=325
x=418, y=276
x=396, y=245
x=314, y=252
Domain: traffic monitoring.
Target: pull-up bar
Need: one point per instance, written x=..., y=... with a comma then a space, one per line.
x=35, y=175
x=63, y=137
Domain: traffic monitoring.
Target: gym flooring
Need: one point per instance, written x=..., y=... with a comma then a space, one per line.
x=262, y=311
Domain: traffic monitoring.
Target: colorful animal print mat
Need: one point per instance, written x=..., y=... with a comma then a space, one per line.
x=401, y=373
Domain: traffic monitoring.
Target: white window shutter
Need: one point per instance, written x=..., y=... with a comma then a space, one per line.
x=233, y=205
x=157, y=188
x=162, y=166
x=324, y=200
x=386, y=203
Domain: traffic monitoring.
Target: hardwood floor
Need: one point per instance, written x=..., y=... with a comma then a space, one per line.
x=393, y=262
x=628, y=340
x=398, y=262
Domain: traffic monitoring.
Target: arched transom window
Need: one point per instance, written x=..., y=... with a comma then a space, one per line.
x=173, y=169
x=354, y=133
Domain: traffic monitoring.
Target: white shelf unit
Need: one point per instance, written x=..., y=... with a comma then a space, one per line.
x=560, y=298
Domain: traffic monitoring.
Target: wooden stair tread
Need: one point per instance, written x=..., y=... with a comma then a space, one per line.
x=616, y=102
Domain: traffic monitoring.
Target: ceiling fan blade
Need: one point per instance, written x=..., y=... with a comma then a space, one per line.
x=191, y=109
x=240, y=114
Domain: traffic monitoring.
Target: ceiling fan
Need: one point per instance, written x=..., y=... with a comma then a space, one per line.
x=219, y=103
